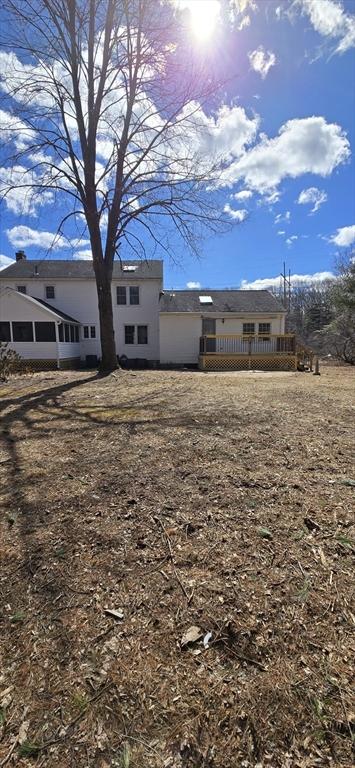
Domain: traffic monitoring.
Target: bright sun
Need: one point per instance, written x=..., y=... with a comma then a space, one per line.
x=203, y=17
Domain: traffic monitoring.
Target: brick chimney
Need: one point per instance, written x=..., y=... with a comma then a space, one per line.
x=20, y=256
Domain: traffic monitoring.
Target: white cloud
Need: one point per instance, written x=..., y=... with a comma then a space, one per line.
x=5, y=261
x=281, y=232
x=291, y=240
x=85, y=255
x=272, y=198
x=191, y=285
x=314, y=196
x=282, y=217
x=23, y=237
x=244, y=194
x=261, y=60
x=329, y=19
x=238, y=215
x=266, y=283
x=344, y=236
x=19, y=195
x=13, y=129
x=305, y=145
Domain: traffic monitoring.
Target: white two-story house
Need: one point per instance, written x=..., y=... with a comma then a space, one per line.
x=49, y=310
x=49, y=316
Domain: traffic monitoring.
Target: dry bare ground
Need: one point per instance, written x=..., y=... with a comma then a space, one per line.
x=222, y=502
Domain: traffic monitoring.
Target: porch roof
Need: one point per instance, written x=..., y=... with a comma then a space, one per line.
x=229, y=301
x=40, y=304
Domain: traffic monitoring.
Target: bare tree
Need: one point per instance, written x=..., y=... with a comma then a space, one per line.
x=105, y=103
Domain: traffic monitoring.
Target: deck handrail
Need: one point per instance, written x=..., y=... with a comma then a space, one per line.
x=248, y=343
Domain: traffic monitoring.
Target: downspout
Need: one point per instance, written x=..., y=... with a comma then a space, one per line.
x=57, y=342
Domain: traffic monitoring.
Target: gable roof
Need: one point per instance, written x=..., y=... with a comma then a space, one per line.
x=42, y=305
x=223, y=302
x=51, y=269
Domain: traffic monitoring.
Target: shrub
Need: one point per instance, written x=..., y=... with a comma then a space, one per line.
x=9, y=361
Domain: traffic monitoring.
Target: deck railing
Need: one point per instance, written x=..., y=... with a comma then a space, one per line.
x=231, y=344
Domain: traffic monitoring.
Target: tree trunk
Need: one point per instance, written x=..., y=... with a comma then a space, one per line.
x=108, y=345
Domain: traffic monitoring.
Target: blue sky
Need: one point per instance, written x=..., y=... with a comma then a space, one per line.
x=291, y=193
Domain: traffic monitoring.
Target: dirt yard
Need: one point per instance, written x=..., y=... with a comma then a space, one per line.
x=212, y=514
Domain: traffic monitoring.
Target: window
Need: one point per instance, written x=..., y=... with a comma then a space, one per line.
x=121, y=294
x=21, y=289
x=76, y=329
x=129, y=334
x=5, y=332
x=61, y=332
x=248, y=329
x=134, y=294
x=45, y=331
x=22, y=331
x=66, y=332
x=72, y=334
x=265, y=330
x=86, y=331
x=92, y=332
x=142, y=334
x=50, y=292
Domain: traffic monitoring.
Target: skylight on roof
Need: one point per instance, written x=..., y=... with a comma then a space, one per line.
x=205, y=299
x=129, y=268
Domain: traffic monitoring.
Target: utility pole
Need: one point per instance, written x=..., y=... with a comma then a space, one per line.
x=286, y=288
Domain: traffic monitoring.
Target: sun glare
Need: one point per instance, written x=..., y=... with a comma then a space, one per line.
x=203, y=17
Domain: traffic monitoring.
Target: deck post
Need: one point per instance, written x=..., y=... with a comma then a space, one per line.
x=317, y=371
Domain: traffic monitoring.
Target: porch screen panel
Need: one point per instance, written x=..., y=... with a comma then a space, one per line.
x=45, y=331
x=22, y=331
x=5, y=331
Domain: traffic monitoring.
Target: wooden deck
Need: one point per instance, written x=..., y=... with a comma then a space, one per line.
x=253, y=352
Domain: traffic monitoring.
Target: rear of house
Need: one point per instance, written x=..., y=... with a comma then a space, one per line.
x=217, y=329
x=64, y=292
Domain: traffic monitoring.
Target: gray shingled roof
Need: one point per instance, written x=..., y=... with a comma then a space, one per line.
x=51, y=269
x=223, y=302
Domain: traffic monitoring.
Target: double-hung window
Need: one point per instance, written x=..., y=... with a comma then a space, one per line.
x=134, y=294
x=265, y=330
x=129, y=334
x=5, y=331
x=136, y=334
x=248, y=329
x=50, y=292
x=21, y=289
x=121, y=294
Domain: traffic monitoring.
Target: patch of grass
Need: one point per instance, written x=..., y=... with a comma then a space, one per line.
x=345, y=541
x=265, y=533
x=17, y=617
x=80, y=701
x=304, y=591
x=29, y=749
x=125, y=759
